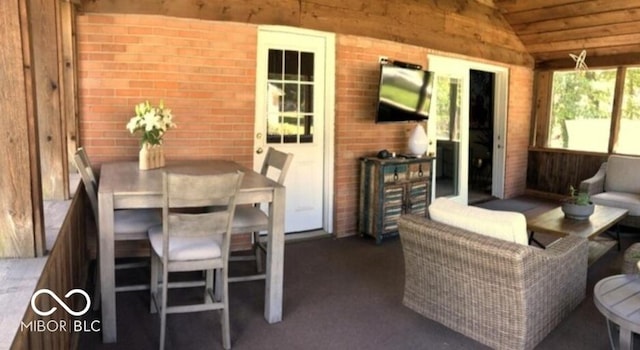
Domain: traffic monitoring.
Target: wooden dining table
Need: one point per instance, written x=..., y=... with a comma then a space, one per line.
x=122, y=185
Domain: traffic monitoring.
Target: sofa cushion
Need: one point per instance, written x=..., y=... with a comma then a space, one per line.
x=622, y=174
x=629, y=201
x=510, y=226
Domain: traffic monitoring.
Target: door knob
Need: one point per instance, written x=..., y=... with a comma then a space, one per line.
x=259, y=135
x=259, y=150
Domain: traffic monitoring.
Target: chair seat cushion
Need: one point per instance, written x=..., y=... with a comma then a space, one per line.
x=129, y=221
x=249, y=216
x=184, y=248
x=510, y=226
x=629, y=201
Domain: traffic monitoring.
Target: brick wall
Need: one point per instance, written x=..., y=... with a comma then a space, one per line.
x=357, y=135
x=205, y=72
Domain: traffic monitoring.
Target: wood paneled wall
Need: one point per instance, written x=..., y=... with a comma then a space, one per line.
x=467, y=27
x=552, y=172
x=66, y=268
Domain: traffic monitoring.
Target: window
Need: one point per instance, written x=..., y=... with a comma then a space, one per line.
x=582, y=111
x=581, y=106
x=628, y=142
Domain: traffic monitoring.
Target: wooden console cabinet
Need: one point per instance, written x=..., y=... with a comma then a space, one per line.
x=391, y=187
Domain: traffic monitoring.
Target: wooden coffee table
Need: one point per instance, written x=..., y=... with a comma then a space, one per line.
x=553, y=222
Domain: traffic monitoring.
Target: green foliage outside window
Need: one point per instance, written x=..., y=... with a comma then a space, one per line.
x=582, y=107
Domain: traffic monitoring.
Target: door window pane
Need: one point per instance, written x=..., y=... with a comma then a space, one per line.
x=448, y=104
x=628, y=140
x=581, y=108
x=290, y=90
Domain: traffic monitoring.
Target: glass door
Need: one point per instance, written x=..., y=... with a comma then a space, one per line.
x=447, y=130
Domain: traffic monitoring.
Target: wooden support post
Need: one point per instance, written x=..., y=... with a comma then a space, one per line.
x=21, y=213
x=47, y=64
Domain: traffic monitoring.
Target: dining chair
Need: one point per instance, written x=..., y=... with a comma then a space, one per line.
x=129, y=224
x=192, y=238
x=250, y=218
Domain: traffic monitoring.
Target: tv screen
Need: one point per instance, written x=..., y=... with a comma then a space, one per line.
x=404, y=94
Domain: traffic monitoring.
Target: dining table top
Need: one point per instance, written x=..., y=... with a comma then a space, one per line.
x=122, y=178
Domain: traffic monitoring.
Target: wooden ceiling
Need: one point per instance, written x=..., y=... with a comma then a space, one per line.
x=609, y=30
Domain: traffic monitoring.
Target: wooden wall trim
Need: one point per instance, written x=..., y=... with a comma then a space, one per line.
x=465, y=27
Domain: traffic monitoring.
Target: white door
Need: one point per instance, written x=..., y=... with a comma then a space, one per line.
x=448, y=126
x=290, y=116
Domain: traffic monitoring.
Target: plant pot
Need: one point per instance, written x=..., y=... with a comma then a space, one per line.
x=576, y=211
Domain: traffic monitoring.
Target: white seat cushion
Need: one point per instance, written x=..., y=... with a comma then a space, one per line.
x=629, y=201
x=248, y=215
x=130, y=221
x=185, y=248
x=510, y=226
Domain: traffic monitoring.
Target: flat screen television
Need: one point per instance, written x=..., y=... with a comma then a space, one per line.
x=404, y=93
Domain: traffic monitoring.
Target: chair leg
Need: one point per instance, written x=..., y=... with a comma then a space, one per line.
x=97, y=293
x=208, y=286
x=153, y=287
x=224, y=315
x=258, y=252
x=163, y=307
x=219, y=285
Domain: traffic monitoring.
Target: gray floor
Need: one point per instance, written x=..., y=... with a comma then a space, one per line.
x=338, y=294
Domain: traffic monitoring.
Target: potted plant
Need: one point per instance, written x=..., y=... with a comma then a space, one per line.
x=578, y=206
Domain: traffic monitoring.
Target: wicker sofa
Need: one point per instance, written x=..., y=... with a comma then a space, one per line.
x=503, y=294
x=616, y=185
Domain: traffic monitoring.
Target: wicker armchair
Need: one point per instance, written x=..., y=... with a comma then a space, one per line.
x=502, y=294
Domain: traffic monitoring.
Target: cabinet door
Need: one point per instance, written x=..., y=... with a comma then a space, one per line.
x=393, y=199
x=417, y=198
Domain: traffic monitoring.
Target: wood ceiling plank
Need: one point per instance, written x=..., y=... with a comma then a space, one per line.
x=582, y=33
x=602, y=18
x=581, y=8
x=611, y=60
x=588, y=43
x=507, y=6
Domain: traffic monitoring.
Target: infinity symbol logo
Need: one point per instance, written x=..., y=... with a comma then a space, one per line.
x=60, y=302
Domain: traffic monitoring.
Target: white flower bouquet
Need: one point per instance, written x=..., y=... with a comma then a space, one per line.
x=152, y=121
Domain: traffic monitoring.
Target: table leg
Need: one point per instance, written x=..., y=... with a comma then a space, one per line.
x=275, y=258
x=531, y=239
x=626, y=339
x=107, y=268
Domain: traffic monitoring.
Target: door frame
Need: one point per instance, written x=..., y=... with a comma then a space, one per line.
x=329, y=111
x=501, y=90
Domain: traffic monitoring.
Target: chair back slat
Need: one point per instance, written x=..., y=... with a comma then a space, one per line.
x=187, y=203
x=278, y=160
x=89, y=180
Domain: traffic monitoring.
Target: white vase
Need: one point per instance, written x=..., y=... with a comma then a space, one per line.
x=151, y=157
x=418, y=141
x=143, y=157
